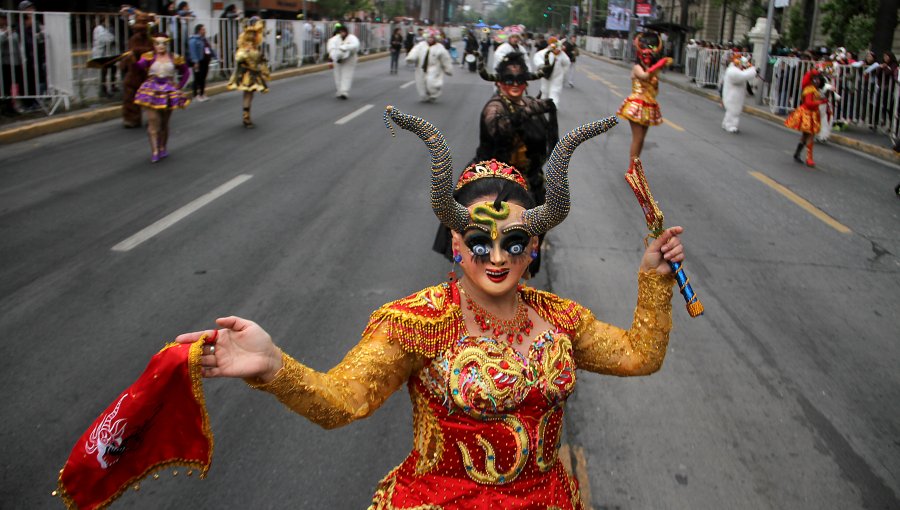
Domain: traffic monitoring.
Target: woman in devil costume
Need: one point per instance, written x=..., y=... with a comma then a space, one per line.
x=640, y=107
x=489, y=362
x=515, y=129
x=806, y=118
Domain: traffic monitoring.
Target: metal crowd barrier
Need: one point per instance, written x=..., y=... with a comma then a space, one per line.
x=705, y=66
x=611, y=47
x=44, y=55
x=868, y=97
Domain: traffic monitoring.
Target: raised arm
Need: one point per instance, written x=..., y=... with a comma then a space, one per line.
x=640, y=350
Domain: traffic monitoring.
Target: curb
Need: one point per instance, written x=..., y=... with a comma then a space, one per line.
x=882, y=153
x=34, y=129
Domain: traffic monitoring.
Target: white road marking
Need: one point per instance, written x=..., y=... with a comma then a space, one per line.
x=180, y=214
x=407, y=84
x=347, y=118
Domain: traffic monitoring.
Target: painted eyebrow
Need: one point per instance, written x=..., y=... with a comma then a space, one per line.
x=482, y=228
x=514, y=226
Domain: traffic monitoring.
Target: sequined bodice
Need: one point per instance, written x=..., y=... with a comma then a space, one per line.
x=248, y=56
x=645, y=89
x=162, y=68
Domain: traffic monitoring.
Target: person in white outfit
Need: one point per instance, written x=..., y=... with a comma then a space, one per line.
x=432, y=62
x=512, y=45
x=553, y=56
x=826, y=114
x=342, y=49
x=734, y=89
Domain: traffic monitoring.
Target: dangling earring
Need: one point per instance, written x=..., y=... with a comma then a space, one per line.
x=451, y=276
x=534, y=254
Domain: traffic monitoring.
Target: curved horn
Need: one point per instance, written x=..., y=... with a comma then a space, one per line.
x=556, y=207
x=450, y=212
x=483, y=72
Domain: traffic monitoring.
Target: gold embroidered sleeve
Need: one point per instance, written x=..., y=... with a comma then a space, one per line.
x=354, y=389
x=607, y=349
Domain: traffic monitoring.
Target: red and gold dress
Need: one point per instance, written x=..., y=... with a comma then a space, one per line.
x=805, y=118
x=641, y=106
x=486, y=419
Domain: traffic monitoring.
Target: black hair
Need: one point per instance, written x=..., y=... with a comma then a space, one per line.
x=512, y=59
x=505, y=191
x=197, y=29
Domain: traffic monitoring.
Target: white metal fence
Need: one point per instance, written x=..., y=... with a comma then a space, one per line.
x=44, y=55
x=704, y=66
x=611, y=47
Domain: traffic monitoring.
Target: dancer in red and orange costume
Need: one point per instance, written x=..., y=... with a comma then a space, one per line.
x=640, y=107
x=489, y=362
x=806, y=118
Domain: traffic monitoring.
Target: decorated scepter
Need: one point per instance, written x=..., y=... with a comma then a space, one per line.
x=638, y=182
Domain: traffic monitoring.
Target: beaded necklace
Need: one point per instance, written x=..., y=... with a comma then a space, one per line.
x=517, y=328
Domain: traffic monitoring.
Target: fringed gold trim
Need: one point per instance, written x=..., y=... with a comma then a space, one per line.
x=197, y=388
x=425, y=323
x=560, y=312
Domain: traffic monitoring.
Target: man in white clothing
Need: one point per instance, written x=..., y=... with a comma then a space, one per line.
x=734, y=89
x=552, y=55
x=432, y=62
x=342, y=49
x=512, y=45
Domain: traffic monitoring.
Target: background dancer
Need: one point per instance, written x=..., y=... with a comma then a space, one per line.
x=805, y=118
x=640, y=107
x=251, y=71
x=160, y=93
x=734, y=90
x=558, y=61
x=342, y=49
x=432, y=63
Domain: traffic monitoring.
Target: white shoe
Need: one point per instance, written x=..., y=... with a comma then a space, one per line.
x=202, y=99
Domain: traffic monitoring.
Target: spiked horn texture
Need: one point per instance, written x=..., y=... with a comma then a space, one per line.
x=450, y=212
x=556, y=207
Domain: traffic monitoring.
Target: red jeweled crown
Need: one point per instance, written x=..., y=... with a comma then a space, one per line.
x=492, y=168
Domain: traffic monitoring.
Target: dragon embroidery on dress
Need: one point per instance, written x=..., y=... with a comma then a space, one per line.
x=107, y=437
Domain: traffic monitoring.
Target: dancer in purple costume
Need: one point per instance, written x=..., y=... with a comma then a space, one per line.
x=160, y=94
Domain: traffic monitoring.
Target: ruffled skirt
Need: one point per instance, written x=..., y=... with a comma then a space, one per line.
x=640, y=111
x=250, y=80
x=803, y=120
x=160, y=94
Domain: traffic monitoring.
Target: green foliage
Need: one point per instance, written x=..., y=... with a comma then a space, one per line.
x=842, y=19
x=339, y=9
x=796, y=35
x=859, y=33
x=394, y=8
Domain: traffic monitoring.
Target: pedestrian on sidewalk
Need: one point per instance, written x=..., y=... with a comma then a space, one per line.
x=396, y=46
x=251, y=71
x=10, y=71
x=806, y=117
x=342, y=49
x=640, y=107
x=160, y=93
x=102, y=47
x=201, y=54
x=432, y=62
x=734, y=90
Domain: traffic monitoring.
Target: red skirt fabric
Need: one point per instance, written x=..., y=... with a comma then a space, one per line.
x=803, y=120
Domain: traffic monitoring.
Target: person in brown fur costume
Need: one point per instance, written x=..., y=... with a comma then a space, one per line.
x=138, y=44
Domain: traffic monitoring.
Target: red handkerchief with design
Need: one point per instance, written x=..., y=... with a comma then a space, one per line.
x=159, y=421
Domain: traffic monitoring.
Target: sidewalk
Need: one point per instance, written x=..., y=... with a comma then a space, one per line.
x=28, y=129
x=855, y=137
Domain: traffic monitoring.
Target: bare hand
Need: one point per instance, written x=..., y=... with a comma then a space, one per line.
x=240, y=349
x=664, y=249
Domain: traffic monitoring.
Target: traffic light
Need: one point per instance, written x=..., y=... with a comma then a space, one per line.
x=549, y=7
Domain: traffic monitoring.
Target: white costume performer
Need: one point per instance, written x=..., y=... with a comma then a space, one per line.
x=432, y=62
x=827, y=121
x=506, y=48
x=342, y=49
x=552, y=87
x=734, y=89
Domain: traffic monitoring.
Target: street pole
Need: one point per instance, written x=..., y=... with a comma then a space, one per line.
x=767, y=43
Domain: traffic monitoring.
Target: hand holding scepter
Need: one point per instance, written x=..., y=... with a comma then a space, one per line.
x=638, y=182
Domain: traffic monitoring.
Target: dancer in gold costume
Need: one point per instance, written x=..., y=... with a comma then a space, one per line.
x=251, y=71
x=489, y=362
x=640, y=107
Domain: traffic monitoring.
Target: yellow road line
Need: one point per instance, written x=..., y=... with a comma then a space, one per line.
x=803, y=203
x=672, y=125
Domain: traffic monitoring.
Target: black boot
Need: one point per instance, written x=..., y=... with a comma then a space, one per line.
x=797, y=153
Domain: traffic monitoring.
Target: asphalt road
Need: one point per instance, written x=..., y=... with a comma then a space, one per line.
x=785, y=394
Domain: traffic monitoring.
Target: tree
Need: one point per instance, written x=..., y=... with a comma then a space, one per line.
x=849, y=22
x=796, y=34
x=340, y=9
x=885, y=22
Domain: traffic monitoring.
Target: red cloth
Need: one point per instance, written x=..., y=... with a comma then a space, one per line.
x=159, y=421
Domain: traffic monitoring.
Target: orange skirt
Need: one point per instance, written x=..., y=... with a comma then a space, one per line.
x=803, y=120
x=642, y=112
